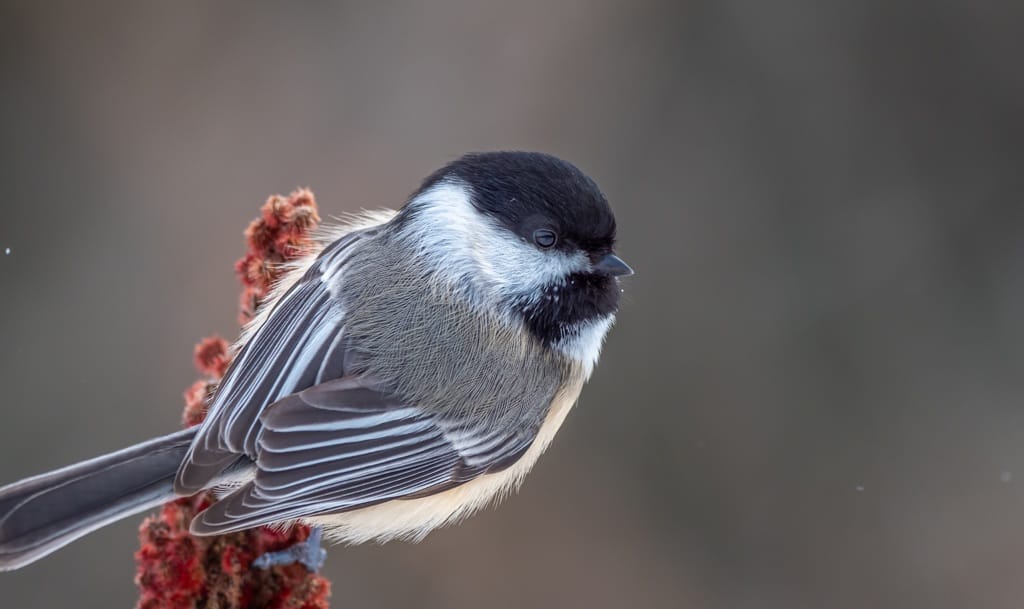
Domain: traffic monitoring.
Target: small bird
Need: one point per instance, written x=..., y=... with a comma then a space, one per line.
x=403, y=375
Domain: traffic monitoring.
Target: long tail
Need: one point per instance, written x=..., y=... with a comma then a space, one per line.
x=44, y=513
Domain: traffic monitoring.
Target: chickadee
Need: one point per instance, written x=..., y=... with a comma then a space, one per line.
x=400, y=378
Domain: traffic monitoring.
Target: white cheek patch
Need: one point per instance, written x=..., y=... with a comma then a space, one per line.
x=499, y=267
x=520, y=271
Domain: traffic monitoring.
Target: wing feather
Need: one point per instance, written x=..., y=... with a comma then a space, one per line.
x=301, y=343
x=347, y=444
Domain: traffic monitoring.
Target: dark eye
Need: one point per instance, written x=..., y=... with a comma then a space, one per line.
x=544, y=237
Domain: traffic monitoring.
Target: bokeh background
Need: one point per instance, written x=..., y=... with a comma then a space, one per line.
x=813, y=394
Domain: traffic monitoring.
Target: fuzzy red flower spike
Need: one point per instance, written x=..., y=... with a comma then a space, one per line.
x=176, y=570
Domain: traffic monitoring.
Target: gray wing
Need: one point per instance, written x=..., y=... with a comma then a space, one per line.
x=300, y=345
x=321, y=441
x=347, y=444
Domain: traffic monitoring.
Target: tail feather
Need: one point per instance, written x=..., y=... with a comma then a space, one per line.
x=44, y=513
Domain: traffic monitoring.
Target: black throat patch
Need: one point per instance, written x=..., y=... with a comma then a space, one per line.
x=563, y=309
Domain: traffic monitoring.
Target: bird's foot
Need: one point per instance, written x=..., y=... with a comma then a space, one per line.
x=308, y=553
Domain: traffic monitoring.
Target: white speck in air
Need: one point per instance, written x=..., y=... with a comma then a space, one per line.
x=860, y=488
x=1006, y=477
x=7, y=251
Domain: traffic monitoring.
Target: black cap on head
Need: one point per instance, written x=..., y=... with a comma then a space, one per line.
x=550, y=204
x=527, y=191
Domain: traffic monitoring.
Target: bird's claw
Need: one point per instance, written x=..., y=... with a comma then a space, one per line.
x=307, y=553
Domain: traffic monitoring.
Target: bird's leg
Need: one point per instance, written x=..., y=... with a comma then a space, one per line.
x=308, y=553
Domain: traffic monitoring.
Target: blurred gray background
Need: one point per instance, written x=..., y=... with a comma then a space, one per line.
x=812, y=397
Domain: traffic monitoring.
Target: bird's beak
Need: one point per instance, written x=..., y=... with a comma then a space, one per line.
x=612, y=265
